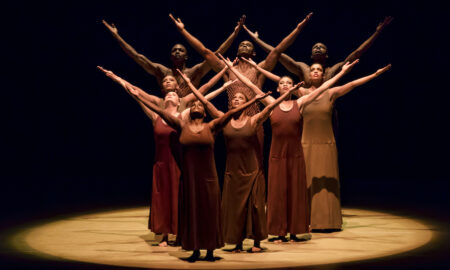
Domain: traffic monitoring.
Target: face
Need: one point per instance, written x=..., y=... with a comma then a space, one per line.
x=319, y=50
x=285, y=84
x=246, y=49
x=169, y=83
x=172, y=97
x=316, y=72
x=238, y=100
x=197, y=109
x=178, y=53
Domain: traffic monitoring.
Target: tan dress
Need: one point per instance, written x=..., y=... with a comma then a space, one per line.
x=322, y=170
x=243, y=197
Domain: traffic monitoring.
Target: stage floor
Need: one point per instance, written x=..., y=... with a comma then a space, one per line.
x=121, y=238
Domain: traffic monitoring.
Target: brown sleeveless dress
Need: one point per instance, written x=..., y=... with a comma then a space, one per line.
x=166, y=179
x=287, y=200
x=322, y=169
x=200, y=224
x=243, y=197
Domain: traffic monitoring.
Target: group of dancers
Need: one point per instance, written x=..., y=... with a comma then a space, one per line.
x=303, y=179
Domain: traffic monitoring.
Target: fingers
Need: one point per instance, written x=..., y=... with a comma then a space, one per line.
x=171, y=17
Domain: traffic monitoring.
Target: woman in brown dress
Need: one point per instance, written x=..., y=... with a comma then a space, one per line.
x=243, y=196
x=320, y=151
x=166, y=173
x=287, y=200
x=200, y=207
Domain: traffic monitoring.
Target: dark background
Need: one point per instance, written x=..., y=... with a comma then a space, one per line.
x=73, y=140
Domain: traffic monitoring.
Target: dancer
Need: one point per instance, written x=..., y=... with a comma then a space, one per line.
x=287, y=200
x=166, y=174
x=243, y=196
x=178, y=58
x=319, y=54
x=320, y=151
x=200, y=212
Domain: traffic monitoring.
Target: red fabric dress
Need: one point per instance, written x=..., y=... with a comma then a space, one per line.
x=166, y=179
x=287, y=200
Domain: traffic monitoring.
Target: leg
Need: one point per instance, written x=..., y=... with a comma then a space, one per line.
x=164, y=241
x=194, y=257
x=210, y=255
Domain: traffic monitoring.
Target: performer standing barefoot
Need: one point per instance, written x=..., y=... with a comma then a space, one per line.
x=200, y=212
x=287, y=200
x=320, y=150
x=243, y=196
x=178, y=57
x=166, y=174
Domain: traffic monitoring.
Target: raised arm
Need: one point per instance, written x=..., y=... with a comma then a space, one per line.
x=247, y=82
x=130, y=87
x=259, y=118
x=271, y=59
x=366, y=44
x=208, y=105
x=205, y=88
x=307, y=99
x=218, y=123
x=207, y=54
x=266, y=73
x=152, y=68
x=339, y=91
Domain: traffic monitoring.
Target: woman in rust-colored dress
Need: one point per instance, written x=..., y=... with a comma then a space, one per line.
x=287, y=200
x=166, y=173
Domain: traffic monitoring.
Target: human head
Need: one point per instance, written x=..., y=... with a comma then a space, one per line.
x=171, y=97
x=319, y=52
x=197, y=110
x=178, y=53
x=246, y=49
x=316, y=73
x=284, y=84
x=238, y=99
x=169, y=83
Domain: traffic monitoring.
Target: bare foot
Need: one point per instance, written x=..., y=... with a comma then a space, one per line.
x=163, y=244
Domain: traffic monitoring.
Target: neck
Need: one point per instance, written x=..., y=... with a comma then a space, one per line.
x=197, y=121
x=239, y=116
x=181, y=65
x=171, y=108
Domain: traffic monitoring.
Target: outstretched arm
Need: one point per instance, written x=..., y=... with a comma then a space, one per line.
x=154, y=69
x=205, y=88
x=307, y=99
x=218, y=123
x=274, y=54
x=266, y=73
x=247, y=82
x=259, y=118
x=366, y=44
x=209, y=56
x=339, y=91
x=208, y=105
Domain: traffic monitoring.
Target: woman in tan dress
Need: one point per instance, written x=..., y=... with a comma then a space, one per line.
x=320, y=151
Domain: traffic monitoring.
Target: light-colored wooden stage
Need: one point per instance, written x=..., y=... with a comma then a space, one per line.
x=121, y=238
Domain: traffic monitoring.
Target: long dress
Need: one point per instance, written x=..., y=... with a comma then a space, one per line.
x=200, y=224
x=322, y=169
x=287, y=200
x=243, y=197
x=166, y=179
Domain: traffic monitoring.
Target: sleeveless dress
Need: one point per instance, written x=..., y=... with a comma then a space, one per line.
x=322, y=164
x=166, y=179
x=287, y=200
x=200, y=224
x=243, y=197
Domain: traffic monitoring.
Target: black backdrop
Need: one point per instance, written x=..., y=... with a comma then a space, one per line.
x=74, y=140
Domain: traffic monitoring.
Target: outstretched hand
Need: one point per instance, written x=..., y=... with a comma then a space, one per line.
x=262, y=96
x=108, y=73
x=240, y=23
x=249, y=61
x=384, y=69
x=306, y=19
x=186, y=78
x=254, y=35
x=230, y=82
x=348, y=66
x=226, y=61
x=177, y=22
x=111, y=27
x=295, y=87
x=387, y=20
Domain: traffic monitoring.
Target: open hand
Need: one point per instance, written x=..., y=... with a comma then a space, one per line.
x=111, y=27
x=177, y=22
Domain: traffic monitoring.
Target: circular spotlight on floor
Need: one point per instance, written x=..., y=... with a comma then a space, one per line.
x=121, y=238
